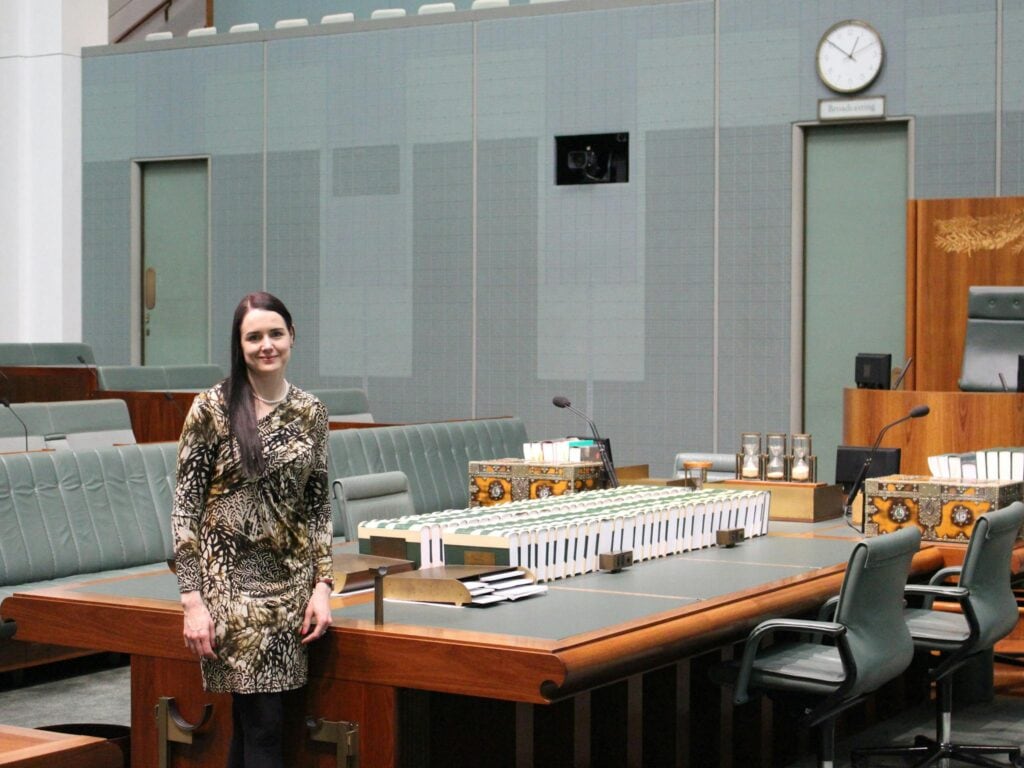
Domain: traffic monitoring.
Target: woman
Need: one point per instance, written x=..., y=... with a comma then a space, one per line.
x=252, y=530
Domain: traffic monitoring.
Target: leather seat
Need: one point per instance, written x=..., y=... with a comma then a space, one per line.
x=994, y=338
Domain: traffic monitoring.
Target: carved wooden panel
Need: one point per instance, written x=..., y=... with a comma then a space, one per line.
x=952, y=245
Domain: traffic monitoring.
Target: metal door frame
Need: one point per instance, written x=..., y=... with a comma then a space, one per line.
x=135, y=271
x=797, y=202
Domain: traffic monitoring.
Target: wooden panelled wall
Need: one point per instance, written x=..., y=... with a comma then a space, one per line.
x=951, y=245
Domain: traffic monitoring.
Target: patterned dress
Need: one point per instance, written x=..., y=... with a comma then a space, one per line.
x=253, y=548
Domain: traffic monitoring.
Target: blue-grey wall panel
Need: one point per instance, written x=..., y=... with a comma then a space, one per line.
x=106, y=284
x=754, y=283
x=236, y=203
x=293, y=253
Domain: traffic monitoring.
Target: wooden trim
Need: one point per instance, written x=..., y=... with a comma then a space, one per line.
x=165, y=6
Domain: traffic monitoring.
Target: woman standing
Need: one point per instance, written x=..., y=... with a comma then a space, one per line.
x=252, y=530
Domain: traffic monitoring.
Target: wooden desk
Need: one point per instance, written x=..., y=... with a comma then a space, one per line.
x=29, y=748
x=157, y=417
x=46, y=383
x=958, y=422
x=604, y=669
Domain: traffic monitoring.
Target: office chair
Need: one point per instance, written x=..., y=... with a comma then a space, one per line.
x=378, y=496
x=994, y=338
x=870, y=643
x=988, y=612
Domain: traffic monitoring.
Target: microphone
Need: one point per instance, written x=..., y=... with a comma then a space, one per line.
x=915, y=413
x=1002, y=380
x=92, y=370
x=559, y=401
x=906, y=367
x=177, y=406
x=7, y=404
x=7, y=382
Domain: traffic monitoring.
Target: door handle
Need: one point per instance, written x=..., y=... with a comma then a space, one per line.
x=149, y=288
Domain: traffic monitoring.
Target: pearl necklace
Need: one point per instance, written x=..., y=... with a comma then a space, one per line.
x=281, y=399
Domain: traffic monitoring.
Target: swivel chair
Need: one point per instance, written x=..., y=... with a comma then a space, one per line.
x=988, y=612
x=377, y=496
x=871, y=644
x=994, y=338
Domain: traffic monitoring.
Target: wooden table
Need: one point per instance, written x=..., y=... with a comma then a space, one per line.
x=605, y=669
x=958, y=422
x=29, y=748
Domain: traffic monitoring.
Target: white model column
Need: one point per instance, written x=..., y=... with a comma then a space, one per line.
x=41, y=164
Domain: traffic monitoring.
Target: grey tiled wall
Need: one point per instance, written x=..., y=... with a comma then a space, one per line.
x=395, y=186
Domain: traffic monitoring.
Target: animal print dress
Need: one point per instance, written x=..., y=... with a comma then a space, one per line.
x=253, y=548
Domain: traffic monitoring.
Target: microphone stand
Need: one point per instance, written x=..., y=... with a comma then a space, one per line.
x=606, y=462
x=92, y=370
x=921, y=410
x=7, y=404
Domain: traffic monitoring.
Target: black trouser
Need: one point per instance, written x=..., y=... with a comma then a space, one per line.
x=258, y=730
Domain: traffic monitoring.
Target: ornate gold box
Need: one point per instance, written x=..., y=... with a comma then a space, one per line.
x=504, y=480
x=944, y=509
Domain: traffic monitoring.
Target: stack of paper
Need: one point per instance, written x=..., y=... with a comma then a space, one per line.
x=563, y=536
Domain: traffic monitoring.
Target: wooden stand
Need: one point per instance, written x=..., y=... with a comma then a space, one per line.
x=958, y=422
x=796, y=502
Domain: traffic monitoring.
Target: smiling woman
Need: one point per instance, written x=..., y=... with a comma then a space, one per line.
x=252, y=530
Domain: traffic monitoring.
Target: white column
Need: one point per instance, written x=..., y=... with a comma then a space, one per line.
x=41, y=164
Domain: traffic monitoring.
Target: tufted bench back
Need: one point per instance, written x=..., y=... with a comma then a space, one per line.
x=65, y=424
x=158, y=377
x=46, y=353
x=64, y=513
x=434, y=456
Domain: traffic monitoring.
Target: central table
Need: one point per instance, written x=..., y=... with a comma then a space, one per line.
x=571, y=677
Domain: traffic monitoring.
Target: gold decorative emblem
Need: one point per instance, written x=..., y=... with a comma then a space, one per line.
x=967, y=234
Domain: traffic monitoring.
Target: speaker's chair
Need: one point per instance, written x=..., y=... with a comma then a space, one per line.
x=994, y=339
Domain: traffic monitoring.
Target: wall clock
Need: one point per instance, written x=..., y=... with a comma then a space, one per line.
x=850, y=56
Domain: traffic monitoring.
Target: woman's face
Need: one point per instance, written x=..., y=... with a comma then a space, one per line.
x=266, y=342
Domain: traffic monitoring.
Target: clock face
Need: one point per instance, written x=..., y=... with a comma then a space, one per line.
x=850, y=56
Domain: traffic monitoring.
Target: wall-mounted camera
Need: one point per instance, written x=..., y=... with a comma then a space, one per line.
x=597, y=158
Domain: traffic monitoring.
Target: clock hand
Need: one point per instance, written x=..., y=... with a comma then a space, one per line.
x=847, y=55
x=855, y=51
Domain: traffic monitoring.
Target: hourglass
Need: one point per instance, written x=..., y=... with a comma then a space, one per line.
x=748, y=460
x=804, y=468
x=775, y=467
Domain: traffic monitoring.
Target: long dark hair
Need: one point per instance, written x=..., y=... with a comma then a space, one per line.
x=241, y=411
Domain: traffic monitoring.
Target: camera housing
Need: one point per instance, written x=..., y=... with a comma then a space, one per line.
x=599, y=158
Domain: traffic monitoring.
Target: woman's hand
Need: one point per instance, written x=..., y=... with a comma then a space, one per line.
x=318, y=613
x=198, y=625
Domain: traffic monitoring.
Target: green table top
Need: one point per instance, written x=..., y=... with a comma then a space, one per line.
x=587, y=603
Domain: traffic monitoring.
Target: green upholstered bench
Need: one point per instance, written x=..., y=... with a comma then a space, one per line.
x=158, y=377
x=72, y=424
x=434, y=456
x=350, y=405
x=46, y=353
x=67, y=514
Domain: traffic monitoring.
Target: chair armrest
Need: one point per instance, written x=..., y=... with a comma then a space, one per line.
x=931, y=591
x=828, y=609
x=336, y=489
x=764, y=631
x=942, y=574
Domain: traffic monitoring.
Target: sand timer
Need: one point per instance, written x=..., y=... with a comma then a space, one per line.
x=748, y=460
x=804, y=464
x=775, y=465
